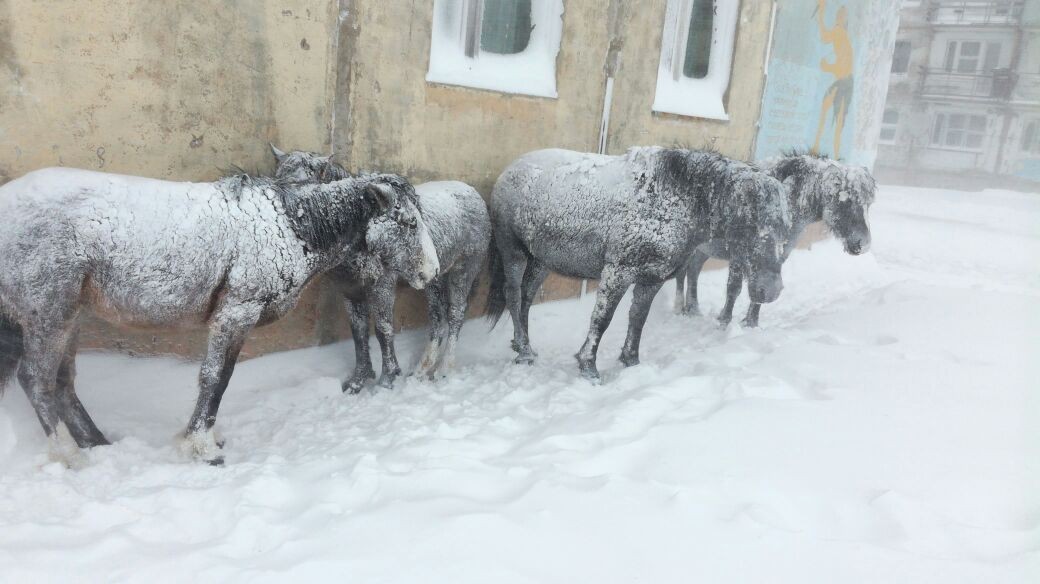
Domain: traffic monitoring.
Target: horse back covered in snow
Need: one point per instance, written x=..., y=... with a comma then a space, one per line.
x=232, y=255
x=460, y=232
x=819, y=189
x=627, y=220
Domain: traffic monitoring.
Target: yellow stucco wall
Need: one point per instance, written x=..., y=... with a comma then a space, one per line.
x=176, y=90
x=182, y=90
x=166, y=89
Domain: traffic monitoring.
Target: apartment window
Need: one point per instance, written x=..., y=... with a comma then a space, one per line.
x=969, y=56
x=1031, y=138
x=889, y=125
x=901, y=57
x=500, y=45
x=959, y=131
x=696, y=57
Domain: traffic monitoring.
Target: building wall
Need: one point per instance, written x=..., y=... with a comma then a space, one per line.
x=183, y=90
x=799, y=82
x=175, y=90
x=388, y=116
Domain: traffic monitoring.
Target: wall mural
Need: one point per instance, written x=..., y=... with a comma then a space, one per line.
x=827, y=78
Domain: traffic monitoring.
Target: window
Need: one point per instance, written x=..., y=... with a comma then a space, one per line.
x=969, y=57
x=696, y=57
x=889, y=125
x=901, y=57
x=959, y=131
x=501, y=45
x=1031, y=138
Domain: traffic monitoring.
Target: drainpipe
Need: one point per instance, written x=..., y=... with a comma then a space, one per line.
x=610, y=68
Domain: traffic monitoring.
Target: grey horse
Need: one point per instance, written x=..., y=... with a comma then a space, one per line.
x=228, y=255
x=460, y=232
x=628, y=220
x=819, y=189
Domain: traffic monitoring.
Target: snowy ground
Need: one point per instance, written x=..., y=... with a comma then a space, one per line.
x=882, y=426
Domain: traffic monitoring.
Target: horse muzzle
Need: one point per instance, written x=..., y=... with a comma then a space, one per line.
x=857, y=245
x=765, y=289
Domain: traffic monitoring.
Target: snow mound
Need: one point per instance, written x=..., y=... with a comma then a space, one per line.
x=879, y=427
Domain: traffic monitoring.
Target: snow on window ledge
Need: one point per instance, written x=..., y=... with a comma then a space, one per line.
x=681, y=95
x=530, y=72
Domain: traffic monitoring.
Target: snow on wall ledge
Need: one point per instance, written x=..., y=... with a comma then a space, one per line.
x=529, y=72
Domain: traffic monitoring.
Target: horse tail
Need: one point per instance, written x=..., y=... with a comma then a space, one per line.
x=11, y=349
x=496, y=300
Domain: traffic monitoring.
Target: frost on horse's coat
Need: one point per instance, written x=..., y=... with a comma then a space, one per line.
x=819, y=189
x=231, y=254
x=460, y=232
x=627, y=220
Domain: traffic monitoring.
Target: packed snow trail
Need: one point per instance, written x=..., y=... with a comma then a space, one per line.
x=881, y=426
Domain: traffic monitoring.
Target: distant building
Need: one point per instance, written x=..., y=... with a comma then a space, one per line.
x=964, y=93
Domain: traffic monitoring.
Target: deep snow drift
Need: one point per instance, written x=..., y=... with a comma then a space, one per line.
x=881, y=426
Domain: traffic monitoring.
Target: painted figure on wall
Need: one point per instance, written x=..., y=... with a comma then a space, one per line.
x=839, y=96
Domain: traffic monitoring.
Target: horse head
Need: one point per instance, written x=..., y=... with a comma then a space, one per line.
x=401, y=240
x=847, y=193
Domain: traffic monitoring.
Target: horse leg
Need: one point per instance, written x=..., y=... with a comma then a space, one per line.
x=81, y=426
x=38, y=375
x=227, y=333
x=734, y=283
x=363, y=372
x=534, y=277
x=642, y=297
x=461, y=285
x=609, y=292
x=437, y=309
x=381, y=297
x=679, y=304
x=693, y=273
x=514, y=264
x=751, y=320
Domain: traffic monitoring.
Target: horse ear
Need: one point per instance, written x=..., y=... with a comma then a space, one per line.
x=383, y=195
x=278, y=154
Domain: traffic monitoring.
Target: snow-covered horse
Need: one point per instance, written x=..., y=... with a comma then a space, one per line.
x=819, y=189
x=460, y=231
x=230, y=255
x=627, y=220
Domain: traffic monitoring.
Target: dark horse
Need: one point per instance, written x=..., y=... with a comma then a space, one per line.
x=459, y=231
x=627, y=220
x=229, y=255
x=819, y=189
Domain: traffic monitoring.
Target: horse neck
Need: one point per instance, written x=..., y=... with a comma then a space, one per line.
x=329, y=219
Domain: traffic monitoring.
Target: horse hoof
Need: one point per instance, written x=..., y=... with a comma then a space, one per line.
x=386, y=381
x=202, y=445
x=691, y=311
x=524, y=359
x=629, y=360
x=218, y=461
x=355, y=384
x=592, y=376
x=749, y=324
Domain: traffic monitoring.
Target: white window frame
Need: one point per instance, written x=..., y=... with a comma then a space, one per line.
x=700, y=98
x=893, y=126
x=456, y=32
x=943, y=118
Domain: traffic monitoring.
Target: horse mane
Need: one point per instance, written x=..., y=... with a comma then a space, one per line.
x=802, y=171
x=734, y=194
x=319, y=214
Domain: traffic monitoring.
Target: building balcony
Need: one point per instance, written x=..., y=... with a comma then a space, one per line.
x=993, y=86
x=975, y=13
